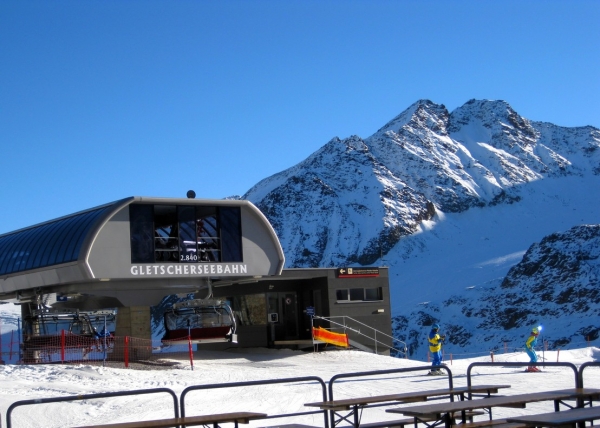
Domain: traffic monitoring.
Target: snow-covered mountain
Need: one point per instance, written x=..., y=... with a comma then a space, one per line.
x=450, y=202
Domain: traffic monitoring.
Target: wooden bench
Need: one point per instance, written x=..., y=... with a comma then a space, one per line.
x=569, y=417
x=494, y=423
x=355, y=405
x=291, y=426
x=214, y=420
x=398, y=423
x=446, y=411
x=401, y=423
x=407, y=397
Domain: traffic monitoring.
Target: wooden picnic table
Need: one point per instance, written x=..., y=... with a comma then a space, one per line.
x=570, y=417
x=214, y=420
x=355, y=405
x=445, y=411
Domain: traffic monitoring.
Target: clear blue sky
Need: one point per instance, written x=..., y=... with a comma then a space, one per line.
x=100, y=100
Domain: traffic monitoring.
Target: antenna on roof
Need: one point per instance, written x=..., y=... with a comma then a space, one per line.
x=191, y=194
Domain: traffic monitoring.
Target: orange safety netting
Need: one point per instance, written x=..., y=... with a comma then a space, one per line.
x=337, y=339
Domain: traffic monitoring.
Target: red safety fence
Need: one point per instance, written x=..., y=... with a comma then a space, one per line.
x=9, y=347
x=119, y=351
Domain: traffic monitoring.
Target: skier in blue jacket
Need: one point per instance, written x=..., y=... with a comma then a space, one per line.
x=530, y=348
x=435, y=347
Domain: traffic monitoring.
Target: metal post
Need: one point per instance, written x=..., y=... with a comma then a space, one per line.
x=375, y=338
x=126, y=353
x=62, y=346
x=19, y=335
x=12, y=339
x=190, y=344
x=105, y=331
x=543, y=350
x=312, y=332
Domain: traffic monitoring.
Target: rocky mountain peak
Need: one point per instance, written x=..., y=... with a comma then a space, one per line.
x=365, y=194
x=495, y=121
x=421, y=114
x=565, y=258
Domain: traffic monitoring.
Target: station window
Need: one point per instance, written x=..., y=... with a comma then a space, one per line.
x=359, y=294
x=185, y=234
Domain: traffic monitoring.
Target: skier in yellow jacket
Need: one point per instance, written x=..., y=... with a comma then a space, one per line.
x=435, y=347
x=530, y=348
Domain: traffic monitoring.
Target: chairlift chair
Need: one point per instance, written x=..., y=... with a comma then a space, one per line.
x=203, y=320
x=43, y=325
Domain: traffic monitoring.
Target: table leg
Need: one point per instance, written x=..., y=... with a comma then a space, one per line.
x=448, y=420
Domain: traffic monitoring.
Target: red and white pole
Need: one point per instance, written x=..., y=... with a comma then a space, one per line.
x=191, y=351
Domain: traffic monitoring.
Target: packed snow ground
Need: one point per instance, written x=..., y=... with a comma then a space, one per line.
x=26, y=382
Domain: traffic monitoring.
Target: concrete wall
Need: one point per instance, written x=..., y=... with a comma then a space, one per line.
x=134, y=321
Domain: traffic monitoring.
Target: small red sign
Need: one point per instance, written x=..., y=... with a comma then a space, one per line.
x=357, y=272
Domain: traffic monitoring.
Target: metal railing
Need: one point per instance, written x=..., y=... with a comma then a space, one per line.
x=524, y=364
x=89, y=397
x=326, y=391
x=583, y=366
x=320, y=381
x=374, y=333
x=332, y=414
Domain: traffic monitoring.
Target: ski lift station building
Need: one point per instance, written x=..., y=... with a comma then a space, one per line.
x=132, y=254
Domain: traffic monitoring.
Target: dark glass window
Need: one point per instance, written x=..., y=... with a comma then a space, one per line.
x=359, y=294
x=231, y=234
x=166, y=233
x=186, y=234
x=373, y=294
x=141, y=233
x=341, y=294
x=208, y=234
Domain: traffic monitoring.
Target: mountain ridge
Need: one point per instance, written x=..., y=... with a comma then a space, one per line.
x=412, y=165
x=364, y=201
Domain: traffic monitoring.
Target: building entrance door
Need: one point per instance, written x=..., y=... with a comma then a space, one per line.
x=284, y=325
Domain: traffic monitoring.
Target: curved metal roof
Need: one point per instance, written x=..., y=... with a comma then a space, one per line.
x=48, y=244
x=90, y=251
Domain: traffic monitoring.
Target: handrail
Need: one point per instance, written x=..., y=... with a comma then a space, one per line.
x=583, y=366
x=346, y=327
x=88, y=397
x=524, y=364
x=261, y=382
x=382, y=372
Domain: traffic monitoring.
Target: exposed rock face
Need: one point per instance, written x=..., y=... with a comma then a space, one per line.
x=562, y=272
x=350, y=202
x=557, y=282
